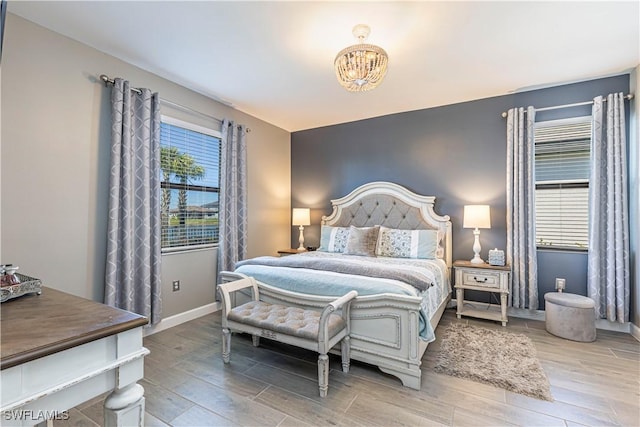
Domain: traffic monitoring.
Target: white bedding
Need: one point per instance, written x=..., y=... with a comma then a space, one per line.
x=431, y=298
x=332, y=283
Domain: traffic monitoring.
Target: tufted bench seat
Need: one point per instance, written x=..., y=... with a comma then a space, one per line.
x=309, y=329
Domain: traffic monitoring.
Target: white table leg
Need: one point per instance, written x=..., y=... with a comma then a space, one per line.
x=345, y=346
x=459, y=301
x=125, y=406
x=323, y=374
x=503, y=308
x=226, y=345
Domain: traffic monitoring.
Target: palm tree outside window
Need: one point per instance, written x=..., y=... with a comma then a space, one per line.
x=190, y=177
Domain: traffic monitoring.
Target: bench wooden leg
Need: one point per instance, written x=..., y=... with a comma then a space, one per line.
x=256, y=340
x=226, y=345
x=323, y=374
x=345, y=349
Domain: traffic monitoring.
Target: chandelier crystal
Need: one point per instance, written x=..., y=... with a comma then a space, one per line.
x=362, y=66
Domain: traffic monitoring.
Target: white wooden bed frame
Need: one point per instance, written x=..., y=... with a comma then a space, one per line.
x=384, y=327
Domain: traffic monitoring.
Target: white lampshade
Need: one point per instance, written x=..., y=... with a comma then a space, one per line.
x=477, y=216
x=301, y=216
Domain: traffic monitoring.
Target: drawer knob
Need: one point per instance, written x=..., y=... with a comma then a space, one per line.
x=480, y=281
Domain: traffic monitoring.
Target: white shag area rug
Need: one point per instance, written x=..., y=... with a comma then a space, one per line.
x=502, y=359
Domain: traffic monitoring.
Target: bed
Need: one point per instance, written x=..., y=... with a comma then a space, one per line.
x=400, y=300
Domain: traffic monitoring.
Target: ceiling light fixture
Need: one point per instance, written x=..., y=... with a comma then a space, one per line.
x=362, y=66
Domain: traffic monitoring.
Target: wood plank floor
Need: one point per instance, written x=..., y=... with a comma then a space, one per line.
x=186, y=384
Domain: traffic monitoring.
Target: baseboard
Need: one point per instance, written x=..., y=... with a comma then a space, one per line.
x=524, y=313
x=635, y=331
x=179, y=318
x=613, y=326
x=604, y=324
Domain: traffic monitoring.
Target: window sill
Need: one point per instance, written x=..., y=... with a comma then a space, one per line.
x=561, y=249
x=186, y=249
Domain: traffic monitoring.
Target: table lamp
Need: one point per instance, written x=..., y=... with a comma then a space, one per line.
x=301, y=217
x=476, y=216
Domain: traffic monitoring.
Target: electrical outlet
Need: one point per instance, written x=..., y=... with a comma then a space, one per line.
x=560, y=283
x=176, y=285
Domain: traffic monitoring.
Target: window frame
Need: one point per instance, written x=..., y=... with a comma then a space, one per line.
x=562, y=184
x=206, y=131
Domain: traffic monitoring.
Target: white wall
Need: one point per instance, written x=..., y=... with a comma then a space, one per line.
x=55, y=157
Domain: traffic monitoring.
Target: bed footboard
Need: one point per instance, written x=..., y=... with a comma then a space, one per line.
x=385, y=333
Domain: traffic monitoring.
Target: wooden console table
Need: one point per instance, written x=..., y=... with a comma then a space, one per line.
x=58, y=350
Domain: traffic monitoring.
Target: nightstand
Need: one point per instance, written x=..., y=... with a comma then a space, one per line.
x=285, y=252
x=484, y=278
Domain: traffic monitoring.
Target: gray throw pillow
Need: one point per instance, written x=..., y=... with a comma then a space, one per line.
x=362, y=241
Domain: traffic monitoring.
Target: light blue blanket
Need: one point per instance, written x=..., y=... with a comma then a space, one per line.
x=330, y=283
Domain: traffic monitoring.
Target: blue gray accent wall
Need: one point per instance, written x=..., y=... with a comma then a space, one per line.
x=454, y=152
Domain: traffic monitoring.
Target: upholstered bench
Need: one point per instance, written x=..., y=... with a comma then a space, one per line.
x=309, y=329
x=570, y=316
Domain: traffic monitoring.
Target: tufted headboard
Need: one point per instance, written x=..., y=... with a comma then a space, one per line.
x=391, y=205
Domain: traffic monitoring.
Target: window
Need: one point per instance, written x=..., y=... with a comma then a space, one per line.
x=562, y=151
x=190, y=184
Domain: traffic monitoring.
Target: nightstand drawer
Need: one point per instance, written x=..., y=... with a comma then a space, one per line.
x=481, y=279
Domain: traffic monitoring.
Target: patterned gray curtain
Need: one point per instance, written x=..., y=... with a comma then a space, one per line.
x=521, y=223
x=608, y=283
x=133, y=231
x=232, y=246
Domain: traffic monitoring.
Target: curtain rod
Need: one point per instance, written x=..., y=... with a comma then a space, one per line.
x=107, y=80
x=556, y=107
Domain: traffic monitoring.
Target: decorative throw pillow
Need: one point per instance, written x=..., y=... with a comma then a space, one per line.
x=440, y=248
x=333, y=239
x=362, y=241
x=407, y=243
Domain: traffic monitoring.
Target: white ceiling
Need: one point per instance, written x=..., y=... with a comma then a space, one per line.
x=274, y=60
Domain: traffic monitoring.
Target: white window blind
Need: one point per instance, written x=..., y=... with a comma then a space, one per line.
x=562, y=152
x=190, y=177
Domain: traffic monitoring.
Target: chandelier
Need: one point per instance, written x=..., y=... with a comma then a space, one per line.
x=362, y=66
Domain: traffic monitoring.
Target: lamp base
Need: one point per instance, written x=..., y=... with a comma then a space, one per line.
x=301, y=238
x=476, y=248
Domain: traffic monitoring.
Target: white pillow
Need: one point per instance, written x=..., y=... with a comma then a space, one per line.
x=408, y=243
x=333, y=239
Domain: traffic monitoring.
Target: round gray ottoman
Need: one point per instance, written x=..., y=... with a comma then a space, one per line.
x=570, y=316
